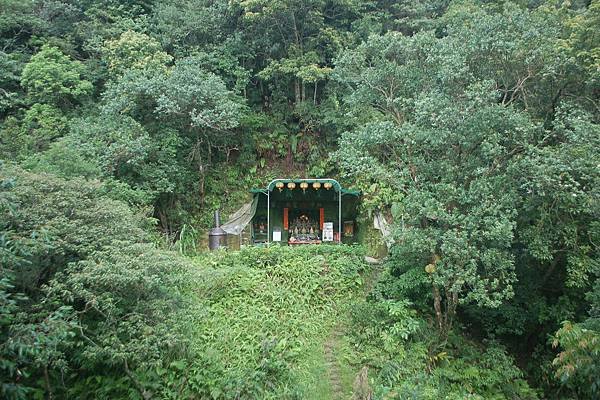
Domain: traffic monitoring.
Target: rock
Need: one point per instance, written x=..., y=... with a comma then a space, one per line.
x=371, y=260
x=361, y=388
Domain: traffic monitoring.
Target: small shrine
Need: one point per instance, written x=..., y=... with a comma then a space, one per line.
x=303, y=211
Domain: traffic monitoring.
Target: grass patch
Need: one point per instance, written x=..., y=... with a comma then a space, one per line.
x=265, y=315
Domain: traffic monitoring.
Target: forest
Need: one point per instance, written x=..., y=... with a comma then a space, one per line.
x=472, y=125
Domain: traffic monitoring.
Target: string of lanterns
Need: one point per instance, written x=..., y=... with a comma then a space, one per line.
x=303, y=185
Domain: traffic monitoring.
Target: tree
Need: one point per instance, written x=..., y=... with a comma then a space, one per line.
x=49, y=238
x=559, y=180
x=457, y=207
x=583, y=41
x=134, y=51
x=11, y=95
x=578, y=363
x=81, y=287
x=51, y=77
x=195, y=104
x=42, y=124
x=306, y=43
x=185, y=27
x=539, y=74
x=133, y=315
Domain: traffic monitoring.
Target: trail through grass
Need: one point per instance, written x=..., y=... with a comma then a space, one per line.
x=332, y=364
x=337, y=365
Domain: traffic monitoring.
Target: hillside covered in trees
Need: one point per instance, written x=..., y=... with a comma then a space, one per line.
x=472, y=125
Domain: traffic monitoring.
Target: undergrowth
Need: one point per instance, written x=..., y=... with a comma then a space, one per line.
x=264, y=317
x=407, y=359
x=264, y=312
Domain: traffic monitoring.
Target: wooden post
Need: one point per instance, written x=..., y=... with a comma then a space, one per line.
x=321, y=218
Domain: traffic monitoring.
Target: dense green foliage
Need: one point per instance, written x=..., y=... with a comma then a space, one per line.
x=491, y=170
x=83, y=289
x=473, y=126
x=389, y=336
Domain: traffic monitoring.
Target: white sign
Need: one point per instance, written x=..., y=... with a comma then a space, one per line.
x=276, y=235
x=328, y=231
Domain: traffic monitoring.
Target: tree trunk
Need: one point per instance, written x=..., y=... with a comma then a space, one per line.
x=303, y=91
x=146, y=395
x=49, y=394
x=297, y=93
x=451, y=304
x=437, y=306
x=164, y=221
x=289, y=159
x=201, y=181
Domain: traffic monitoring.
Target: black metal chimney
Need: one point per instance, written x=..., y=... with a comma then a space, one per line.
x=217, y=237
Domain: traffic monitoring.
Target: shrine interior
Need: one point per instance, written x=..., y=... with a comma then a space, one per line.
x=304, y=212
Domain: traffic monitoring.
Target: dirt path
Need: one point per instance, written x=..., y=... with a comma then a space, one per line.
x=333, y=367
x=332, y=345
